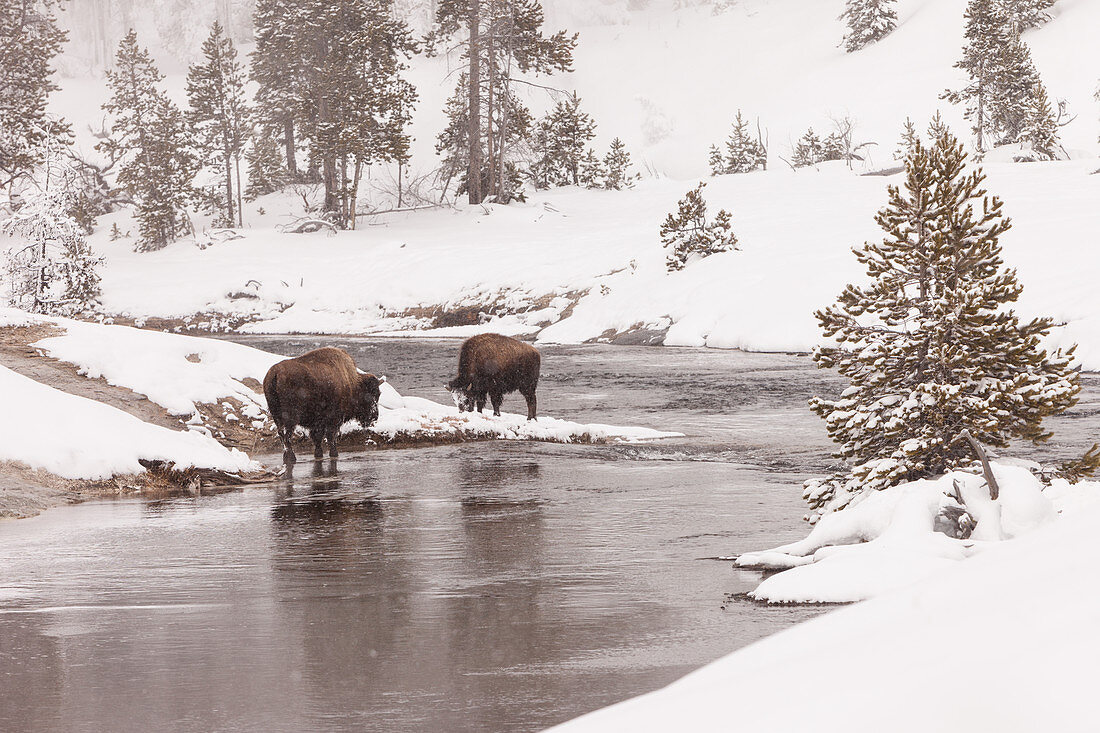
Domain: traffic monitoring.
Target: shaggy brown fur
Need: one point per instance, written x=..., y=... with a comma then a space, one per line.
x=493, y=365
x=320, y=391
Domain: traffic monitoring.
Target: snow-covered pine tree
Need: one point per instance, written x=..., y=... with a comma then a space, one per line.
x=1000, y=95
x=1028, y=13
x=809, y=150
x=868, y=21
x=266, y=169
x=1041, y=128
x=508, y=127
x=219, y=115
x=592, y=172
x=744, y=153
x=352, y=103
x=51, y=269
x=908, y=140
x=501, y=36
x=29, y=41
x=616, y=165
x=277, y=71
x=563, y=135
x=689, y=235
x=716, y=160
x=929, y=347
x=149, y=137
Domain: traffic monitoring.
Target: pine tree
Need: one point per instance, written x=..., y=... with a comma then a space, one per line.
x=1041, y=128
x=500, y=36
x=690, y=236
x=51, y=269
x=277, y=69
x=928, y=346
x=563, y=136
x=868, y=21
x=716, y=161
x=149, y=136
x=1028, y=13
x=808, y=151
x=266, y=169
x=592, y=172
x=1000, y=96
x=29, y=41
x=909, y=138
x=744, y=153
x=509, y=127
x=219, y=115
x=616, y=165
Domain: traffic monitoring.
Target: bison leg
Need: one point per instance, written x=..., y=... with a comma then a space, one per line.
x=532, y=404
x=317, y=433
x=285, y=435
x=332, y=435
x=497, y=398
x=480, y=402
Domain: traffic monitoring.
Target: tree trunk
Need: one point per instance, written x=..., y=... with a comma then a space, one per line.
x=228, y=190
x=473, y=134
x=288, y=140
x=355, y=193
x=240, y=206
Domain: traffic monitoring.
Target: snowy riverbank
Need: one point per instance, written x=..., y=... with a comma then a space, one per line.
x=574, y=265
x=142, y=395
x=1015, y=622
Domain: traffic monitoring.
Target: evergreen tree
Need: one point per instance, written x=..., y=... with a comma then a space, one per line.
x=1028, y=13
x=563, y=135
x=277, y=69
x=689, y=235
x=1040, y=127
x=50, y=269
x=29, y=41
x=909, y=138
x=592, y=171
x=868, y=21
x=500, y=36
x=744, y=153
x=220, y=115
x=716, y=161
x=266, y=169
x=509, y=127
x=928, y=346
x=616, y=165
x=1000, y=96
x=809, y=150
x=149, y=136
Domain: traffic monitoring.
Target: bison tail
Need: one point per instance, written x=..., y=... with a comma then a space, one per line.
x=271, y=392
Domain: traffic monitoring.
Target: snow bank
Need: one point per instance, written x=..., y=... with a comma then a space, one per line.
x=1003, y=642
x=78, y=438
x=888, y=539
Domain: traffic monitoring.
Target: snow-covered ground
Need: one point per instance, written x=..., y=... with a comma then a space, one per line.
x=668, y=81
x=1004, y=641
x=78, y=438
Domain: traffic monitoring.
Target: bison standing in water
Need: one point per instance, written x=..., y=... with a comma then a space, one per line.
x=493, y=365
x=320, y=391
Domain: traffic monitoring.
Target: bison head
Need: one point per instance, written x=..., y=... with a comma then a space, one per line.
x=462, y=394
x=366, y=403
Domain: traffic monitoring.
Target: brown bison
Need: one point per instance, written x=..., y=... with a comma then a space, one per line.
x=493, y=365
x=320, y=391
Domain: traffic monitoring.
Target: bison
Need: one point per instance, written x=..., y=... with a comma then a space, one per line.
x=320, y=391
x=493, y=365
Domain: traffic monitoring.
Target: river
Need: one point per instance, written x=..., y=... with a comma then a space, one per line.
x=475, y=587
